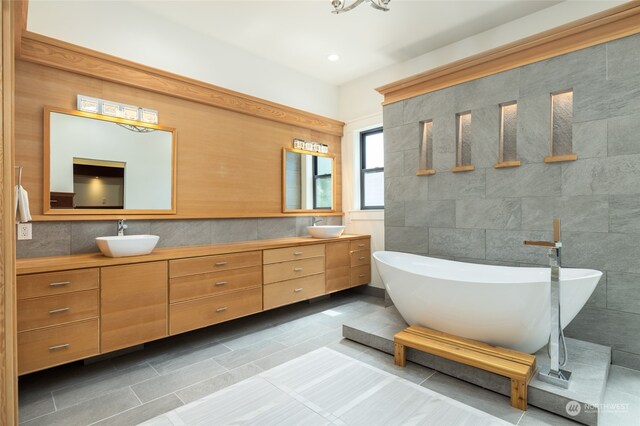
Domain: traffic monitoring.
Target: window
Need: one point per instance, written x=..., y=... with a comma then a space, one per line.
x=322, y=191
x=372, y=169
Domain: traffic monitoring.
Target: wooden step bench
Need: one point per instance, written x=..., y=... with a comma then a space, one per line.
x=517, y=366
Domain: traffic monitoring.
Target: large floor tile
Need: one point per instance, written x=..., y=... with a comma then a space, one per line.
x=482, y=399
x=624, y=379
x=169, y=383
x=619, y=409
x=72, y=395
x=187, y=357
x=90, y=411
x=249, y=354
x=143, y=412
x=214, y=384
x=537, y=417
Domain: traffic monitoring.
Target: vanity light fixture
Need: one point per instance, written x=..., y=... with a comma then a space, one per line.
x=333, y=57
x=310, y=146
x=340, y=6
x=116, y=109
x=88, y=104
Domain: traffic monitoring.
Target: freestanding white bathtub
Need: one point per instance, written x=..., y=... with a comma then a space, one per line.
x=500, y=305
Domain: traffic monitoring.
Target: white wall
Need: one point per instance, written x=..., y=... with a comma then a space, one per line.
x=358, y=98
x=360, y=221
x=120, y=29
x=147, y=173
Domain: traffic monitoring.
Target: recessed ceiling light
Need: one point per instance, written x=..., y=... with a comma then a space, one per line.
x=333, y=57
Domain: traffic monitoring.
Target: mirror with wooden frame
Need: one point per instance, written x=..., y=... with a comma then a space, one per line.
x=95, y=164
x=308, y=183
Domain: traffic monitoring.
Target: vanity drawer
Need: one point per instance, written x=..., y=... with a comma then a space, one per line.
x=286, y=292
x=361, y=257
x=52, y=346
x=194, y=286
x=185, y=316
x=364, y=244
x=293, y=253
x=58, y=309
x=37, y=285
x=294, y=269
x=206, y=264
x=360, y=275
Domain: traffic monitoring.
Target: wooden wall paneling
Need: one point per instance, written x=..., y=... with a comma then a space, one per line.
x=611, y=24
x=228, y=163
x=58, y=54
x=8, y=357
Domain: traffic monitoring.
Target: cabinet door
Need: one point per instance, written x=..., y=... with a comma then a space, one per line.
x=133, y=304
x=338, y=261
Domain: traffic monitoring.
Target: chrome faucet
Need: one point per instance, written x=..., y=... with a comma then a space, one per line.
x=554, y=375
x=316, y=220
x=121, y=227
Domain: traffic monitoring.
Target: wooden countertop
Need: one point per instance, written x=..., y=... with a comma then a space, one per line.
x=93, y=260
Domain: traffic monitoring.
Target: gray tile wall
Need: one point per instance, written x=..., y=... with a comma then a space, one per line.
x=64, y=238
x=483, y=216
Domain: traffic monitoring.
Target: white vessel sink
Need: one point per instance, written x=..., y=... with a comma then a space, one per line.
x=326, y=231
x=127, y=245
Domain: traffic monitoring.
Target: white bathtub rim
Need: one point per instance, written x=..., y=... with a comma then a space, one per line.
x=567, y=274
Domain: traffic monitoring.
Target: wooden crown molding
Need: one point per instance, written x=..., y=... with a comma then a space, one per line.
x=611, y=24
x=58, y=54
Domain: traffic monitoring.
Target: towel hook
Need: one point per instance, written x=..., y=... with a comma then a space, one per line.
x=19, y=174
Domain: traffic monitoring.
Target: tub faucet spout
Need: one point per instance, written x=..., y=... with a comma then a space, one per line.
x=554, y=375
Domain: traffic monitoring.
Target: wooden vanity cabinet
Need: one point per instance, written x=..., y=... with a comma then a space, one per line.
x=57, y=318
x=348, y=264
x=338, y=257
x=134, y=301
x=212, y=289
x=293, y=274
x=91, y=305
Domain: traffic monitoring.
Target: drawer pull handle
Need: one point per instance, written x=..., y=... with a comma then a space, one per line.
x=58, y=311
x=361, y=257
x=297, y=269
x=59, y=283
x=221, y=263
x=222, y=309
x=221, y=283
x=297, y=290
x=297, y=253
x=59, y=347
x=361, y=276
x=360, y=245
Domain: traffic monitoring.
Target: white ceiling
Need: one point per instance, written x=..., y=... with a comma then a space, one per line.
x=300, y=34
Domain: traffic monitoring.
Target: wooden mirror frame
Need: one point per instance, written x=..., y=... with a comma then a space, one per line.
x=46, y=166
x=284, y=182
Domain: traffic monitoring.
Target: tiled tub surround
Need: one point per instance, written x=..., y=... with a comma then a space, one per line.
x=74, y=237
x=484, y=215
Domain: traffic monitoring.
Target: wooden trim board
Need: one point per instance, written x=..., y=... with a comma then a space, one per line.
x=517, y=366
x=8, y=355
x=611, y=24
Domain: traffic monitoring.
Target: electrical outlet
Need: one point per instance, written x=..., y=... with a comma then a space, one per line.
x=24, y=231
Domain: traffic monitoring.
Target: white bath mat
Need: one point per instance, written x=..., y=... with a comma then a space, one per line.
x=325, y=387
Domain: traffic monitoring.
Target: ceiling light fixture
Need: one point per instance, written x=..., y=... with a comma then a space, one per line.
x=340, y=5
x=333, y=57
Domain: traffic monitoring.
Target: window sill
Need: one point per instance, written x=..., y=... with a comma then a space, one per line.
x=560, y=158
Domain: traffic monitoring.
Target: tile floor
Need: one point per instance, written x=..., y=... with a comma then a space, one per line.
x=169, y=373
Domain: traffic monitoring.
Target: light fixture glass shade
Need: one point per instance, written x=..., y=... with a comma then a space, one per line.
x=340, y=6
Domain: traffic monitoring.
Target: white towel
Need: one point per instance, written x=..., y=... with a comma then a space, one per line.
x=22, y=205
